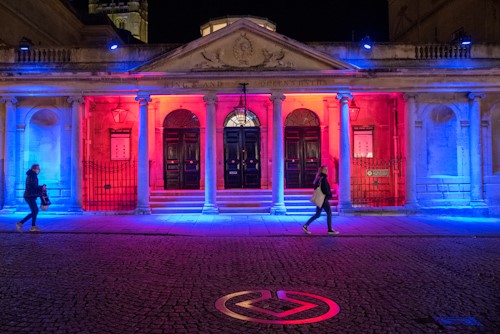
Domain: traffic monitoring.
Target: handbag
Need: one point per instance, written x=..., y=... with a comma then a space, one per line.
x=45, y=201
x=318, y=197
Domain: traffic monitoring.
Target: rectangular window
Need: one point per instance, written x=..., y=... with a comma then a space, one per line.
x=362, y=141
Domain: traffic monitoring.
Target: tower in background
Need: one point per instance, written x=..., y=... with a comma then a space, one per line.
x=131, y=15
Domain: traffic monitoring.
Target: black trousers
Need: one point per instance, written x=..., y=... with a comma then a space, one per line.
x=34, y=210
x=328, y=210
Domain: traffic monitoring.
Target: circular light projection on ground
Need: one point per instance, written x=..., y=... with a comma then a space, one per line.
x=250, y=309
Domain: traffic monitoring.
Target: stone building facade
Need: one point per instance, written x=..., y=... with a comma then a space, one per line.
x=406, y=128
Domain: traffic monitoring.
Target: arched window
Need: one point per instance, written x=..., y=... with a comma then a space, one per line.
x=236, y=119
x=181, y=118
x=302, y=117
x=442, y=142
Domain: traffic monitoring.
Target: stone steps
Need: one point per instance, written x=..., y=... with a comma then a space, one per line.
x=244, y=201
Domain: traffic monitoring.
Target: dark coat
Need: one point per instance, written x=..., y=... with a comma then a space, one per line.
x=32, y=187
x=325, y=186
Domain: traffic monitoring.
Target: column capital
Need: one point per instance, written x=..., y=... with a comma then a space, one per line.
x=476, y=96
x=143, y=97
x=6, y=99
x=344, y=96
x=210, y=98
x=78, y=99
x=410, y=96
x=277, y=96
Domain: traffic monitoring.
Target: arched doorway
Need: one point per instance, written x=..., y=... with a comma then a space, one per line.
x=302, y=148
x=242, y=151
x=181, y=150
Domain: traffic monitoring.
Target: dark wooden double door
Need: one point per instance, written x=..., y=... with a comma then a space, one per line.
x=242, y=167
x=302, y=155
x=181, y=158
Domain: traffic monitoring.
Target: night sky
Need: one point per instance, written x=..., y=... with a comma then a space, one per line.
x=178, y=21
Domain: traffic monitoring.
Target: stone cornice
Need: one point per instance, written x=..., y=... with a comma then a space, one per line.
x=263, y=83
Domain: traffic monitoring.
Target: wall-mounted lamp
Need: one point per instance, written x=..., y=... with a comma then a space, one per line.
x=241, y=109
x=353, y=111
x=465, y=40
x=367, y=43
x=113, y=45
x=25, y=44
x=119, y=113
x=461, y=37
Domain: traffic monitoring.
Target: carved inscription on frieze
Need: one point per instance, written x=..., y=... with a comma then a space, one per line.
x=270, y=83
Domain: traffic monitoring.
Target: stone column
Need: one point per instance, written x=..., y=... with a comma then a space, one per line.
x=278, y=167
x=9, y=204
x=325, y=142
x=76, y=152
x=476, y=161
x=410, y=149
x=22, y=158
x=344, y=153
x=143, y=207
x=210, y=206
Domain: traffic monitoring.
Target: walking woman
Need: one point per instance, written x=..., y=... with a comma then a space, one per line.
x=321, y=181
x=31, y=193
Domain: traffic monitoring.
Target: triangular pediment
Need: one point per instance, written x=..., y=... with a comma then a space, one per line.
x=243, y=46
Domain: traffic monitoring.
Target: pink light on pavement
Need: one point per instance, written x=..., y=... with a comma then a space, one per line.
x=333, y=308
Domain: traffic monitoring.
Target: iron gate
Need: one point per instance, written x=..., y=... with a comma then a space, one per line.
x=377, y=182
x=109, y=186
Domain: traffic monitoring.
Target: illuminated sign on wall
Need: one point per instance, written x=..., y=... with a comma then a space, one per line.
x=120, y=144
x=362, y=142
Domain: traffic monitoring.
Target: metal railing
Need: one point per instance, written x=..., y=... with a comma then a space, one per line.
x=109, y=186
x=377, y=182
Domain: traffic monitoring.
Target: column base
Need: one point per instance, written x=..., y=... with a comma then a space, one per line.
x=345, y=208
x=143, y=210
x=411, y=207
x=8, y=209
x=479, y=209
x=210, y=209
x=478, y=204
x=347, y=205
x=278, y=210
x=75, y=209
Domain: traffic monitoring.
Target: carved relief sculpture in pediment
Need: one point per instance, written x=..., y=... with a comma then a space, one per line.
x=244, y=55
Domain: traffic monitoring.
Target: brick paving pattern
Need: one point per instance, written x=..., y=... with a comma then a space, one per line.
x=119, y=283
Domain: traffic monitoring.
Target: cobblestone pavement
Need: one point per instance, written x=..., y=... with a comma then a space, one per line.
x=112, y=283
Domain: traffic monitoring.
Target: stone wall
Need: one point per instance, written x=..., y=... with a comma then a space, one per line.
x=44, y=137
x=51, y=24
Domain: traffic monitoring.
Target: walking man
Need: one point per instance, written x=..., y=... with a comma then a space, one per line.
x=31, y=193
